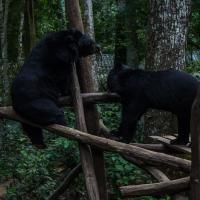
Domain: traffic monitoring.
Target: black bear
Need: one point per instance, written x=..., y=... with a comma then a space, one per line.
x=139, y=90
x=45, y=76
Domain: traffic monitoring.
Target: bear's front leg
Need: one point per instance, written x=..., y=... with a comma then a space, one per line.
x=131, y=113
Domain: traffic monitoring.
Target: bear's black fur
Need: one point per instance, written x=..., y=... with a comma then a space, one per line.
x=45, y=76
x=168, y=90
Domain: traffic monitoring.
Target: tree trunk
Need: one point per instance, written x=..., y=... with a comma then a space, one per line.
x=20, y=37
x=91, y=113
x=4, y=7
x=132, y=52
x=89, y=28
x=120, y=31
x=167, y=34
x=29, y=27
x=14, y=22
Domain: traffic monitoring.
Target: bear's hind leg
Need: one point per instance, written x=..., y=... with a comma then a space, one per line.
x=34, y=134
x=183, y=129
x=43, y=112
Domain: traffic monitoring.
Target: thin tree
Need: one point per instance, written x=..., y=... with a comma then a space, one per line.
x=29, y=27
x=120, y=32
x=88, y=21
x=87, y=85
x=4, y=7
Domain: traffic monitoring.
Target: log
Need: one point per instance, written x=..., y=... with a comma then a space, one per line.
x=155, y=189
x=95, y=97
x=85, y=151
x=152, y=147
x=166, y=142
x=157, y=174
x=195, y=138
x=144, y=155
x=87, y=85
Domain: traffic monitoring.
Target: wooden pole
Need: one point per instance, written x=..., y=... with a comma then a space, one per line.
x=195, y=139
x=87, y=85
x=95, y=97
x=85, y=153
x=139, y=153
x=155, y=189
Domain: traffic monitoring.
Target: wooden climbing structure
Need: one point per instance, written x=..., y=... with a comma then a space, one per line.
x=149, y=157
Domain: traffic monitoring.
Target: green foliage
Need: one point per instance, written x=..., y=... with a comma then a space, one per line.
x=104, y=23
x=120, y=173
x=49, y=16
x=194, y=23
x=33, y=172
x=111, y=114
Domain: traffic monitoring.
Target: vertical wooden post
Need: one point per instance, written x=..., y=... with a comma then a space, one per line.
x=85, y=153
x=87, y=86
x=195, y=137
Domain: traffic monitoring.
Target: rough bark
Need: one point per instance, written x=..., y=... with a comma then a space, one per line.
x=166, y=43
x=14, y=24
x=20, y=39
x=89, y=29
x=87, y=85
x=4, y=9
x=195, y=136
x=167, y=34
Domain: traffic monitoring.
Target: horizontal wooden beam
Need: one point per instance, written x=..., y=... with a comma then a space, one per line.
x=92, y=98
x=166, y=141
x=155, y=189
x=152, y=147
x=107, y=144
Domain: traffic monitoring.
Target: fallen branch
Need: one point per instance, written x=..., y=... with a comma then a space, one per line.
x=144, y=155
x=155, y=189
x=65, y=184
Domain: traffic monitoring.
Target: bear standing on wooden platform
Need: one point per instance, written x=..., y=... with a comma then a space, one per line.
x=45, y=76
x=168, y=90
